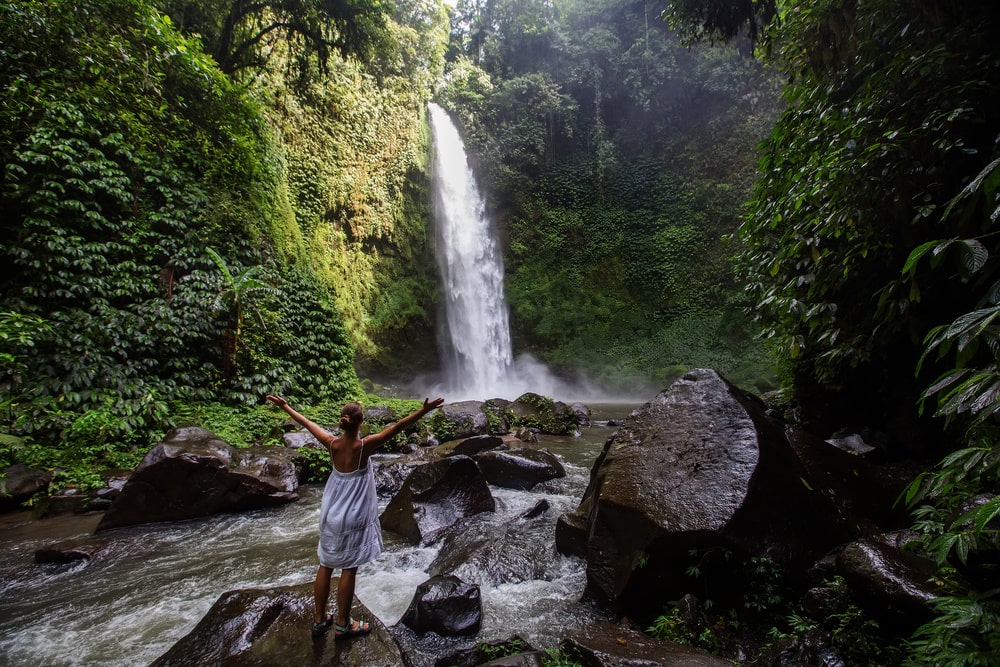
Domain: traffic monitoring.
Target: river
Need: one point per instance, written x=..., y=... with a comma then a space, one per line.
x=157, y=581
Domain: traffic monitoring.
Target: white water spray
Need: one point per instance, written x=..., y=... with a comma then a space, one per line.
x=475, y=345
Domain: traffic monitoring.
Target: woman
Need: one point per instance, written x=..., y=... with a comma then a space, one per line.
x=349, y=530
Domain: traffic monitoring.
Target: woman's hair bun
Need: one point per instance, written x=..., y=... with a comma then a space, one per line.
x=351, y=416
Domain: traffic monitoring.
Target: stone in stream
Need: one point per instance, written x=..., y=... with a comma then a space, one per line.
x=193, y=474
x=446, y=605
x=518, y=551
x=519, y=468
x=435, y=497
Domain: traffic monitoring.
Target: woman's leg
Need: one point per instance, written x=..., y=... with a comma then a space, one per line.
x=345, y=595
x=321, y=590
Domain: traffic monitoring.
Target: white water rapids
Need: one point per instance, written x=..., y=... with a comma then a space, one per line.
x=157, y=581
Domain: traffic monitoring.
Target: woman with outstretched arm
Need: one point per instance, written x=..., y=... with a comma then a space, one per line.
x=349, y=530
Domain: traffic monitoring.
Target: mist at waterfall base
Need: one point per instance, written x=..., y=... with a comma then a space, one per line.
x=528, y=374
x=474, y=336
x=157, y=581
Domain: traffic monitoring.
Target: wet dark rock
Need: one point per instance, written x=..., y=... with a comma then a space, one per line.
x=435, y=497
x=516, y=651
x=299, y=439
x=194, y=474
x=63, y=501
x=811, y=649
x=608, y=645
x=902, y=539
x=445, y=605
x=470, y=446
x=539, y=508
x=582, y=413
x=68, y=553
x=114, y=482
x=428, y=649
x=498, y=414
x=820, y=601
x=981, y=567
x=701, y=467
x=75, y=550
x=894, y=585
x=271, y=628
x=457, y=421
x=19, y=483
x=572, y=530
x=380, y=414
x=391, y=473
x=427, y=439
x=527, y=435
x=520, y=468
x=519, y=552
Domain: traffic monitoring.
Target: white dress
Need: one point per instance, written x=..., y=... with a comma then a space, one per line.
x=349, y=530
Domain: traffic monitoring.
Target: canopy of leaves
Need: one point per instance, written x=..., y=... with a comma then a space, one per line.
x=242, y=35
x=700, y=20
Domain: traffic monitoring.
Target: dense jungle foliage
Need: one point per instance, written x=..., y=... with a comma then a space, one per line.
x=176, y=234
x=870, y=255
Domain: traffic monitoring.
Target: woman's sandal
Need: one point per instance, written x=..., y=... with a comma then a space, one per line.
x=320, y=628
x=351, y=630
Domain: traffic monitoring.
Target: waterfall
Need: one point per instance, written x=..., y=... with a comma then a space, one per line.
x=475, y=343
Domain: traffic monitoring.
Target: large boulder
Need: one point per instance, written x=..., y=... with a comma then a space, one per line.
x=19, y=483
x=391, y=472
x=271, y=628
x=519, y=468
x=896, y=586
x=469, y=446
x=193, y=473
x=445, y=605
x=521, y=550
x=435, y=497
x=548, y=416
x=457, y=421
x=702, y=468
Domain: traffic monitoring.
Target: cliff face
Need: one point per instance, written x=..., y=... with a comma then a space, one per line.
x=356, y=153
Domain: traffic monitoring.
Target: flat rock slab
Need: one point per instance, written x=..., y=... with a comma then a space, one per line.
x=609, y=645
x=271, y=628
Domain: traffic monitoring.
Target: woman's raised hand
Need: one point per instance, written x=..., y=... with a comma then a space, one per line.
x=277, y=400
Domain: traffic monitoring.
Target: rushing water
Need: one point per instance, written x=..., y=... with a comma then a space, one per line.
x=157, y=581
x=476, y=350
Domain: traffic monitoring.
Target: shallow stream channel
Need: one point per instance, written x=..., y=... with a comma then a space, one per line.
x=156, y=581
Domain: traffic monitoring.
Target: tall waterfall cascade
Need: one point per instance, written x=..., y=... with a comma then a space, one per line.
x=475, y=341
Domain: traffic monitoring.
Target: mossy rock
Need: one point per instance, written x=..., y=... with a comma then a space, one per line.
x=545, y=414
